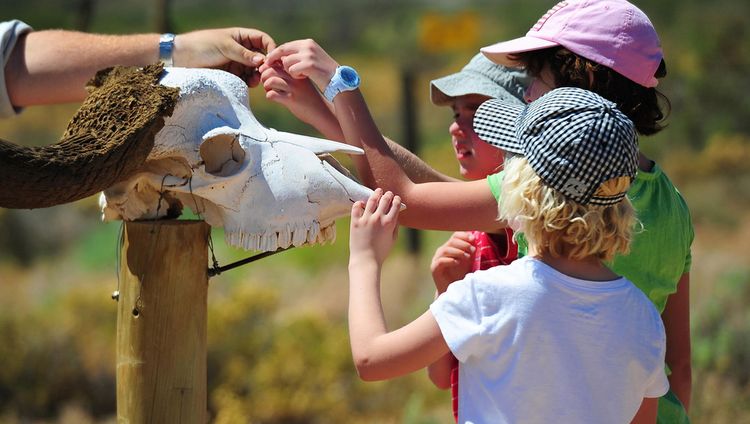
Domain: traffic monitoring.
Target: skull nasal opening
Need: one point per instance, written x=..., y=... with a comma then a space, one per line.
x=222, y=154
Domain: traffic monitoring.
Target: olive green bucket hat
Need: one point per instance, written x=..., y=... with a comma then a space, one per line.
x=481, y=76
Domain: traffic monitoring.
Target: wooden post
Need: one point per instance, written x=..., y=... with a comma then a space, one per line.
x=161, y=323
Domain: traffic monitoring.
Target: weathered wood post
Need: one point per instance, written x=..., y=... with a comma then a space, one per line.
x=161, y=323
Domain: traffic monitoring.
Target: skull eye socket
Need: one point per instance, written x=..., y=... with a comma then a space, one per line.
x=222, y=154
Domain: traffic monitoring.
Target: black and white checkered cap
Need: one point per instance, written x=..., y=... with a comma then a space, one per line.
x=573, y=139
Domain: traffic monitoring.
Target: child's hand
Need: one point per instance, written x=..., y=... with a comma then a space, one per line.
x=303, y=59
x=374, y=227
x=298, y=95
x=452, y=260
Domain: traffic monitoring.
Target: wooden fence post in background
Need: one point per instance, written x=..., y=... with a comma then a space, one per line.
x=161, y=323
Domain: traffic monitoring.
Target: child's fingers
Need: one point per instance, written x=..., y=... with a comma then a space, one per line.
x=384, y=203
x=394, y=208
x=281, y=51
x=372, y=202
x=358, y=209
x=443, y=262
x=296, y=69
x=278, y=97
x=463, y=235
x=276, y=84
x=460, y=244
x=453, y=252
x=276, y=73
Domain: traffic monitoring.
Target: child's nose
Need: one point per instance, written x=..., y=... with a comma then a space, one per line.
x=455, y=129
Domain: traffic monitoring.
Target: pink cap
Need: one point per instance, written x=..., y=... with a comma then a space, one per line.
x=613, y=33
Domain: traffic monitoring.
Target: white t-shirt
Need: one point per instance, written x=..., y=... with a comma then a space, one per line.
x=538, y=346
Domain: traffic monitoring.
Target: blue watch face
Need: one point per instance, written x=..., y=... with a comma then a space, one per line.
x=349, y=76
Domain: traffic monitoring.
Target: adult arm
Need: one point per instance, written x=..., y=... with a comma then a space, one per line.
x=676, y=318
x=53, y=66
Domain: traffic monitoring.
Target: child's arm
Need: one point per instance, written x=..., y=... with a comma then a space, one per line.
x=647, y=412
x=305, y=102
x=676, y=318
x=439, y=206
x=377, y=353
x=440, y=371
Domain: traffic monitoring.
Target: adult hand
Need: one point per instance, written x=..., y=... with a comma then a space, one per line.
x=452, y=260
x=304, y=59
x=374, y=227
x=236, y=50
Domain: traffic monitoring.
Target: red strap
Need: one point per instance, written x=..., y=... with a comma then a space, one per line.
x=454, y=388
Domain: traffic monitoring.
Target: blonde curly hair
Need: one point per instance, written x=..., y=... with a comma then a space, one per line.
x=561, y=227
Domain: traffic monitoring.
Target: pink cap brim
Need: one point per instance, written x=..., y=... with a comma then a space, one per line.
x=499, y=53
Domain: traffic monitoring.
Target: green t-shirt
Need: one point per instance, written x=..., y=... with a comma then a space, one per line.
x=660, y=252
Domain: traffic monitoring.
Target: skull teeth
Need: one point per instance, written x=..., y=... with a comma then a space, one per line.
x=271, y=241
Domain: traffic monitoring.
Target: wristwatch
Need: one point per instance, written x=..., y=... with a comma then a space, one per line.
x=344, y=79
x=166, y=46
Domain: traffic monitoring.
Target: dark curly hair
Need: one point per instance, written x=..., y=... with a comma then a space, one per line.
x=646, y=107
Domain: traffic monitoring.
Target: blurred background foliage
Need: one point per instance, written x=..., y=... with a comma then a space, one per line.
x=278, y=346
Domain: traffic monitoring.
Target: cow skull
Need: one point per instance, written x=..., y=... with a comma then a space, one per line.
x=268, y=189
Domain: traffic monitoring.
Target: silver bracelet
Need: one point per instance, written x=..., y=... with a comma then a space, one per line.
x=166, y=47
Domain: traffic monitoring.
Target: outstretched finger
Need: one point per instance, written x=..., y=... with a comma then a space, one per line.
x=285, y=49
x=372, y=202
x=395, y=207
x=384, y=203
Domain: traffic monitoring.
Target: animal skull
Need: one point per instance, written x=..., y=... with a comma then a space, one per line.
x=269, y=189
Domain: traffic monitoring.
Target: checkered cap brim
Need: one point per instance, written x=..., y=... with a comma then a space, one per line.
x=573, y=139
x=495, y=122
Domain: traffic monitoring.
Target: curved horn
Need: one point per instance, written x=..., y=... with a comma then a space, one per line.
x=107, y=139
x=317, y=145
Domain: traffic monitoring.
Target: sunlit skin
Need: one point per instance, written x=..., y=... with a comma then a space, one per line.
x=539, y=86
x=476, y=159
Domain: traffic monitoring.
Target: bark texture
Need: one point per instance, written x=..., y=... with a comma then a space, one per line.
x=106, y=141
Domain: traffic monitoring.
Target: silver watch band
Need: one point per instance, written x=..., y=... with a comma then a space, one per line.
x=166, y=47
